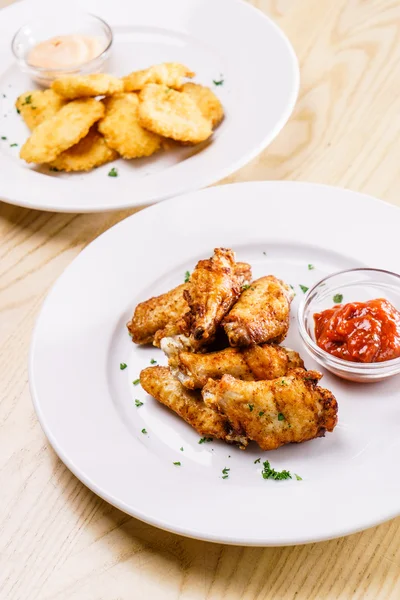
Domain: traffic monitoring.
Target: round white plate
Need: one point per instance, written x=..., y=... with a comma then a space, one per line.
x=226, y=39
x=86, y=406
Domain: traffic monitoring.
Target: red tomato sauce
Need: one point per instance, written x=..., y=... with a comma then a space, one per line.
x=360, y=331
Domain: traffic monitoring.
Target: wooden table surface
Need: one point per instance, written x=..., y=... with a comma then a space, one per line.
x=60, y=541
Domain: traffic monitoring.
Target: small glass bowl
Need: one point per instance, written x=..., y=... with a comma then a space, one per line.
x=53, y=25
x=356, y=285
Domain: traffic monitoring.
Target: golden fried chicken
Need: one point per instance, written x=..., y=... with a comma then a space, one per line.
x=85, y=86
x=249, y=364
x=69, y=125
x=172, y=114
x=210, y=106
x=36, y=106
x=213, y=289
x=92, y=151
x=169, y=74
x=261, y=313
x=288, y=409
x=122, y=130
x=162, y=385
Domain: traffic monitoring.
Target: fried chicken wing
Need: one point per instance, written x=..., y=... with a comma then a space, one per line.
x=86, y=86
x=213, y=289
x=249, y=364
x=261, y=313
x=172, y=114
x=169, y=74
x=210, y=106
x=122, y=130
x=58, y=133
x=36, y=106
x=292, y=408
x=92, y=151
x=162, y=385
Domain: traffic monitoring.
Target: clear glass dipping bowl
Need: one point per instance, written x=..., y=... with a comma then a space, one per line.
x=56, y=24
x=356, y=285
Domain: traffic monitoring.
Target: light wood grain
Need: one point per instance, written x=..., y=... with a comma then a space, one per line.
x=58, y=541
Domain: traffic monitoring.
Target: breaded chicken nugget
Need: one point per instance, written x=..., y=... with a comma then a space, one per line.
x=211, y=108
x=92, y=151
x=122, y=130
x=66, y=128
x=85, y=86
x=36, y=106
x=172, y=114
x=170, y=74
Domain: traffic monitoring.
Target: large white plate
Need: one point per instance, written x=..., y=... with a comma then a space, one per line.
x=85, y=403
x=214, y=38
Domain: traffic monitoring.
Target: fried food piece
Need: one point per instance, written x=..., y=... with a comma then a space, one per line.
x=122, y=130
x=249, y=364
x=273, y=413
x=169, y=74
x=172, y=114
x=162, y=385
x=92, y=151
x=261, y=313
x=66, y=128
x=213, y=289
x=86, y=86
x=36, y=106
x=210, y=106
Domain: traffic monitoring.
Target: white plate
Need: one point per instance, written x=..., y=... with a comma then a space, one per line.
x=85, y=403
x=214, y=38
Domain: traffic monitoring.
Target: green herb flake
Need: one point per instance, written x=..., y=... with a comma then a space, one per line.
x=260, y=414
x=144, y=431
x=177, y=463
x=18, y=111
x=136, y=382
x=122, y=366
x=33, y=107
x=3, y=137
x=187, y=276
x=310, y=267
x=203, y=440
x=303, y=288
x=338, y=298
x=219, y=81
x=138, y=403
x=265, y=254
x=181, y=449
x=269, y=473
x=251, y=407
x=283, y=382
x=225, y=473
x=13, y=145
x=281, y=417
x=298, y=477
x=113, y=172
x=257, y=461
x=245, y=286
x=153, y=362
x=28, y=100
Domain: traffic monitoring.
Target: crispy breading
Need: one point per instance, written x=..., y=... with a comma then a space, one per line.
x=249, y=364
x=71, y=123
x=170, y=74
x=86, y=86
x=289, y=409
x=92, y=151
x=210, y=106
x=162, y=385
x=261, y=314
x=122, y=129
x=172, y=114
x=36, y=106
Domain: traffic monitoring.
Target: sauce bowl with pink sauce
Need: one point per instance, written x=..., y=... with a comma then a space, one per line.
x=55, y=45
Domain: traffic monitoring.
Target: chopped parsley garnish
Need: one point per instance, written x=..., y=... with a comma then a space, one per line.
x=225, y=473
x=33, y=107
x=298, y=477
x=3, y=137
x=311, y=267
x=13, y=145
x=257, y=460
x=138, y=403
x=177, y=463
x=281, y=417
x=136, y=382
x=187, y=276
x=260, y=414
x=283, y=382
x=337, y=298
x=153, y=362
x=303, y=288
x=144, y=431
x=18, y=111
x=245, y=286
x=219, y=81
x=122, y=366
x=251, y=406
x=181, y=449
x=265, y=254
x=205, y=439
x=269, y=473
x=113, y=172
x=28, y=100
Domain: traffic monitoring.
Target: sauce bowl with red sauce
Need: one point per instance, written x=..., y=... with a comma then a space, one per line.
x=350, y=324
